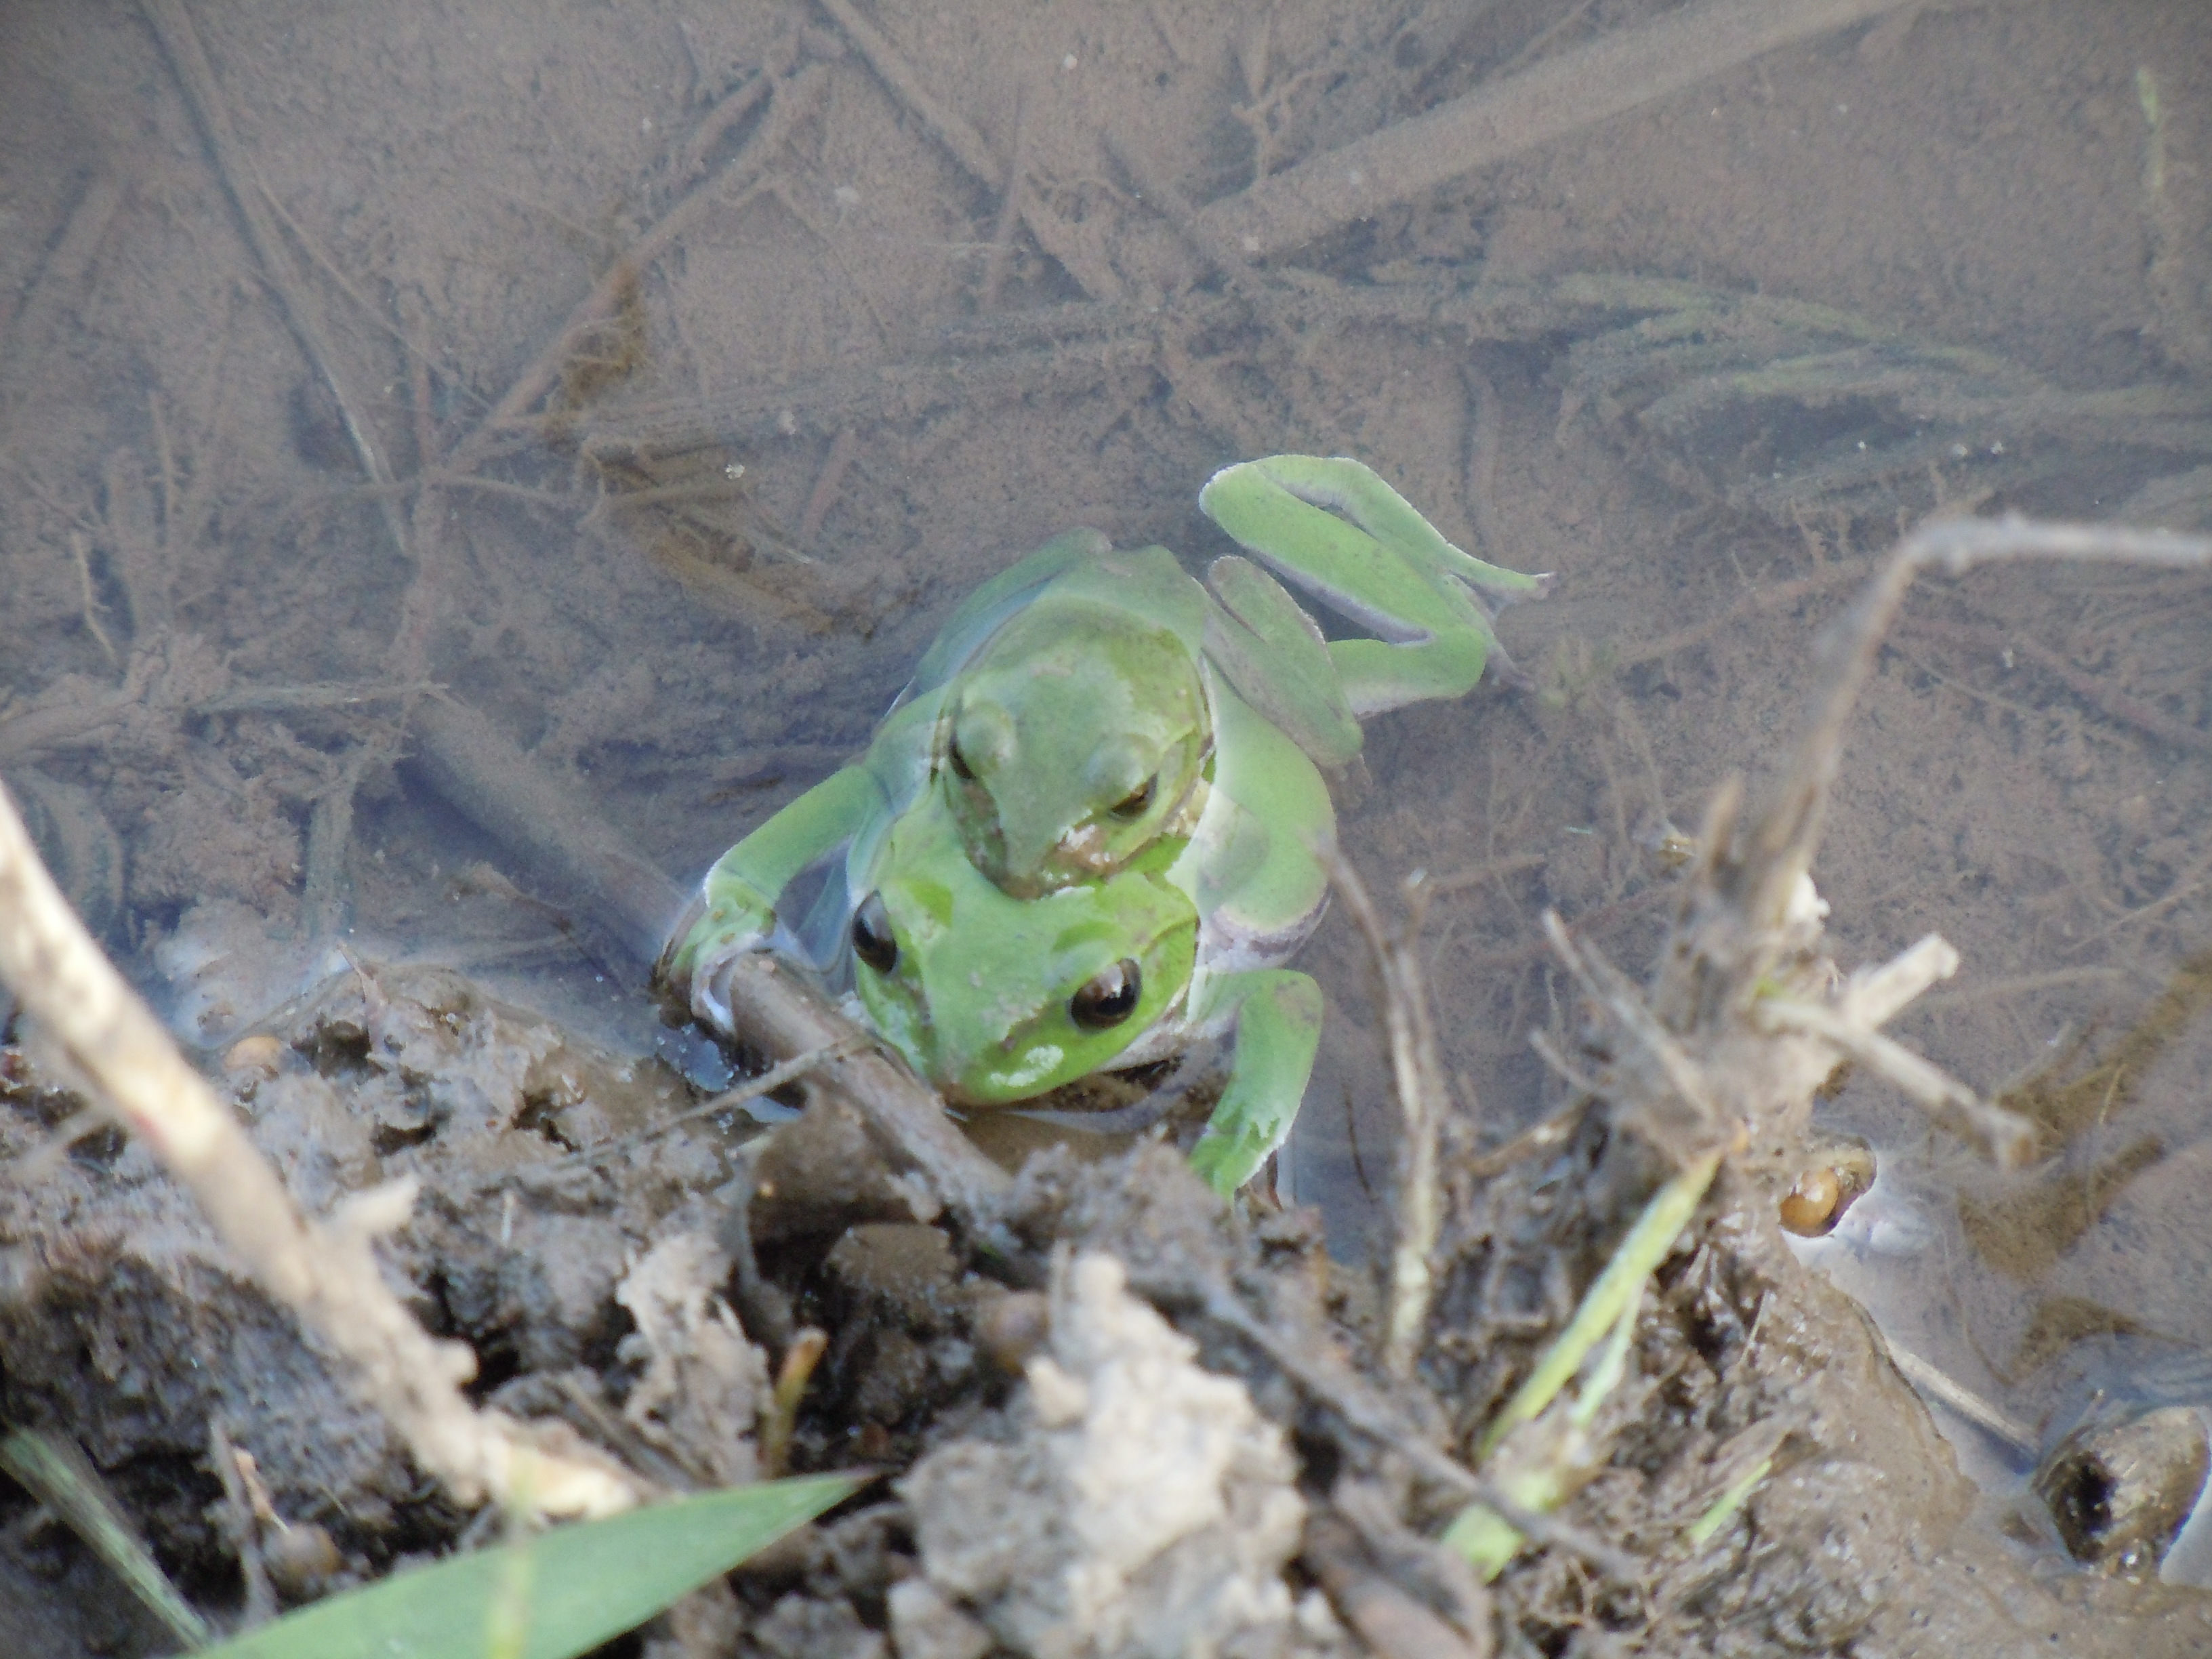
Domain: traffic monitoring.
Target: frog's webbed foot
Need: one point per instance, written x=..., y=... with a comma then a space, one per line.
x=722, y=923
x=1278, y=1016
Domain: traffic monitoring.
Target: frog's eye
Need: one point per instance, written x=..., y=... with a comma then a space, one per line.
x=1137, y=799
x=872, y=940
x=958, y=762
x=1109, y=998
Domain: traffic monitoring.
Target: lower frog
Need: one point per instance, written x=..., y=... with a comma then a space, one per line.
x=1095, y=825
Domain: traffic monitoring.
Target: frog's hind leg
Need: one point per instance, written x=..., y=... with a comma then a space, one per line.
x=1381, y=564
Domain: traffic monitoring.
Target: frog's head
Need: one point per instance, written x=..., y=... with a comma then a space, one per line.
x=1077, y=739
x=995, y=998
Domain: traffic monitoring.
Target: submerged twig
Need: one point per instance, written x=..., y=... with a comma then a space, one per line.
x=1616, y=73
x=966, y=146
x=480, y=772
x=181, y=41
x=790, y=103
x=776, y=1077
x=1942, y=1387
x=1422, y=1100
x=324, y=1272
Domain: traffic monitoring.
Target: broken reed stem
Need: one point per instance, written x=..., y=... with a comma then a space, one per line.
x=792, y=1377
x=1420, y=1074
x=1577, y=89
x=326, y=1273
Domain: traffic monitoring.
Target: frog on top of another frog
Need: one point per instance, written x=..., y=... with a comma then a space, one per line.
x=1095, y=824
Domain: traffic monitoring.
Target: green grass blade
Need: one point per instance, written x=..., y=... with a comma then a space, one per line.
x=54, y=1470
x=1648, y=1242
x=561, y=1593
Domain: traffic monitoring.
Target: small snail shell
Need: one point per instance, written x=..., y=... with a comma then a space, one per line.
x=1817, y=1201
x=1809, y=1208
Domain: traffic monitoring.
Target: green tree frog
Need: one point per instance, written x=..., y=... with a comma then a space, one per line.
x=1095, y=824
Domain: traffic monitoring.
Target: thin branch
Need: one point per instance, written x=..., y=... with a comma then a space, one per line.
x=2007, y=1138
x=966, y=146
x=790, y=104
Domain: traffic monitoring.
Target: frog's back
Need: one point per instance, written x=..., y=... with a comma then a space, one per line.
x=1146, y=583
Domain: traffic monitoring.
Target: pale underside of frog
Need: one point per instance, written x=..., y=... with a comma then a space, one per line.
x=1095, y=824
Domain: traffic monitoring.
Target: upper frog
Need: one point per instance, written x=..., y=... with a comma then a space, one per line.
x=1093, y=825
x=1075, y=723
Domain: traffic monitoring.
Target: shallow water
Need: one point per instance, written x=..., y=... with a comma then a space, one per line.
x=184, y=513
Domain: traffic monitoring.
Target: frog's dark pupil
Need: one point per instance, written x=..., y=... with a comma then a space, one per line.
x=1137, y=799
x=1109, y=998
x=959, y=761
x=872, y=940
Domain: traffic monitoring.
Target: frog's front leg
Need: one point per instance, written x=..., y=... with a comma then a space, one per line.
x=1277, y=1014
x=1381, y=564
x=734, y=911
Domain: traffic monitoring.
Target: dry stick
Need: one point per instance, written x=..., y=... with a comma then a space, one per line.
x=325, y=1273
x=1421, y=1099
x=1757, y=599
x=491, y=782
x=966, y=146
x=1562, y=96
x=172, y=24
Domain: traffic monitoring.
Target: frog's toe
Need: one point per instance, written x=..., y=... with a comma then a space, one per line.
x=711, y=972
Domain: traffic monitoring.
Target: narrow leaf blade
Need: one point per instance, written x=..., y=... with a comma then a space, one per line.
x=579, y=1585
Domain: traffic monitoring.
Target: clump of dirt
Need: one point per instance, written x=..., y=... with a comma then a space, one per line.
x=1121, y=1417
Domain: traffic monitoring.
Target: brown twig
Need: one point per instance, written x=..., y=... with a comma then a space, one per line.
x=1010, y=205
x=1564, y=94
